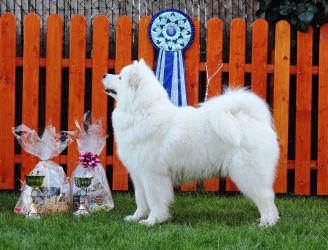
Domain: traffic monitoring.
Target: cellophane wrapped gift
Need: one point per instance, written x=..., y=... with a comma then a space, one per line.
x=54, y=194
x=91, y=140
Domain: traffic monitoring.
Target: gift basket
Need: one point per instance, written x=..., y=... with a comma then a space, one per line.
x=53, y=192
x=91, y=139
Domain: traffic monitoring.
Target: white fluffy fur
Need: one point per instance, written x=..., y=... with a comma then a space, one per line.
x=162, y=145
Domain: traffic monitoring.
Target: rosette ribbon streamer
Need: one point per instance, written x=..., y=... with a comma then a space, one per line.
x=171, y=33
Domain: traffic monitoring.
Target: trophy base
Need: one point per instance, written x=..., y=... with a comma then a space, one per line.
x=33, y=216
x=81, y=212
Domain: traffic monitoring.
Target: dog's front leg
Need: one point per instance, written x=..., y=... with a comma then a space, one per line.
x=142, y=210
x=159, y=195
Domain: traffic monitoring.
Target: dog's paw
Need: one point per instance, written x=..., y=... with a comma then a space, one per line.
x=268, y=222
x=147, y=222
x=152, y=220
x=131, y=218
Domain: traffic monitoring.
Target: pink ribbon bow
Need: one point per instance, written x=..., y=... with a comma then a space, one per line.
x=89, y=160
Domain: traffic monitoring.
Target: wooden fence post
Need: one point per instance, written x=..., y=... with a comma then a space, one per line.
x=54, y=72
x=236, y=65
x=76, y=83
x=322, y=180
x=7, y=100
x=214, y=60
x=192, y=81
x=122, y=58
x=30, y=109
x=281, y=100
x=99, y=68
x=303, y=112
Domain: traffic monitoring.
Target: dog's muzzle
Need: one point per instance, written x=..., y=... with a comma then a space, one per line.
x=109, y=91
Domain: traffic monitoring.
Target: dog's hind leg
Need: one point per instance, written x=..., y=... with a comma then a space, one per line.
x=264, y=200
x=267, y=208
x=258, y=189
x=142, y=210
x=159, y=194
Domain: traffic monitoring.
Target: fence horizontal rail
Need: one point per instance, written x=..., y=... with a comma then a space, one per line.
x=202, y=67
x=109, y=161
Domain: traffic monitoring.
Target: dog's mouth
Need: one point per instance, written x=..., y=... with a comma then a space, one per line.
x=110, y=91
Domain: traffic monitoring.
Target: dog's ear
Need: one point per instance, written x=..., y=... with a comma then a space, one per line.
x=143, y=65
x=142, y=61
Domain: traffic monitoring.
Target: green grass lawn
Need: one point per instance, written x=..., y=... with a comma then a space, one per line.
x=200, y=221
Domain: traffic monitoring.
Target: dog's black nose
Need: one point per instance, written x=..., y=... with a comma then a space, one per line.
x=104, y=76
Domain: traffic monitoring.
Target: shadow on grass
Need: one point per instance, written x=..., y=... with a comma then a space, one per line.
x=232, y=212
x=230, y=219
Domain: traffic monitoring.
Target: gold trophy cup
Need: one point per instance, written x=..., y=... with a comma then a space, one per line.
x=83, y=183
x=35, y=182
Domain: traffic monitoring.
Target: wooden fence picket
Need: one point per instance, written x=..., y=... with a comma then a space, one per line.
x=322, y=175
x=123, y=58
x=236, y=65
x=30, y=109
x=7, y=100
x=54, y=45
x=99, y=68
x=192, y=81
x=214, y=61
x=145, y=48
x=76, y=83
x=281, y=100
x=303, y=112
x=259, y=57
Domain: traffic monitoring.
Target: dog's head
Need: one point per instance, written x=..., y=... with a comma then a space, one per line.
x=135, y=82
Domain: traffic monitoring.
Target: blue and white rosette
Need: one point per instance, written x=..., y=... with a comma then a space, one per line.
x=172, y=32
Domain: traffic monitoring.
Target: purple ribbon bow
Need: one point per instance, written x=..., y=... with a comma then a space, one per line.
x=89, y=160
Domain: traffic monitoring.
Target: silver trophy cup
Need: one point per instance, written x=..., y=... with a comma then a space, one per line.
x=83, y=183
x=35, y=182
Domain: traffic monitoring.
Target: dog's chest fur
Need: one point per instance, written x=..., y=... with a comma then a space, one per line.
x=133, y=135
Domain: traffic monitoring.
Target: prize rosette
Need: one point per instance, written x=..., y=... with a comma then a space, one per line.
x=171, y=33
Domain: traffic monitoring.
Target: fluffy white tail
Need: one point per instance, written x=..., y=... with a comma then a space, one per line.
x=222, y=111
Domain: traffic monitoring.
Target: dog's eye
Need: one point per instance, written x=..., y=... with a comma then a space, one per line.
x=119, y=78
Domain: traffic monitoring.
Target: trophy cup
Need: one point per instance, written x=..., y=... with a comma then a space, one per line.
x=83, y=183
x=35, y=182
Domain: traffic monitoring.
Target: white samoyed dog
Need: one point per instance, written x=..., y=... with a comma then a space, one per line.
x=162, y=145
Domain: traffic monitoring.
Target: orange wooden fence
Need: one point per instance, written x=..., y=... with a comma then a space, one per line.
x=236, y=67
